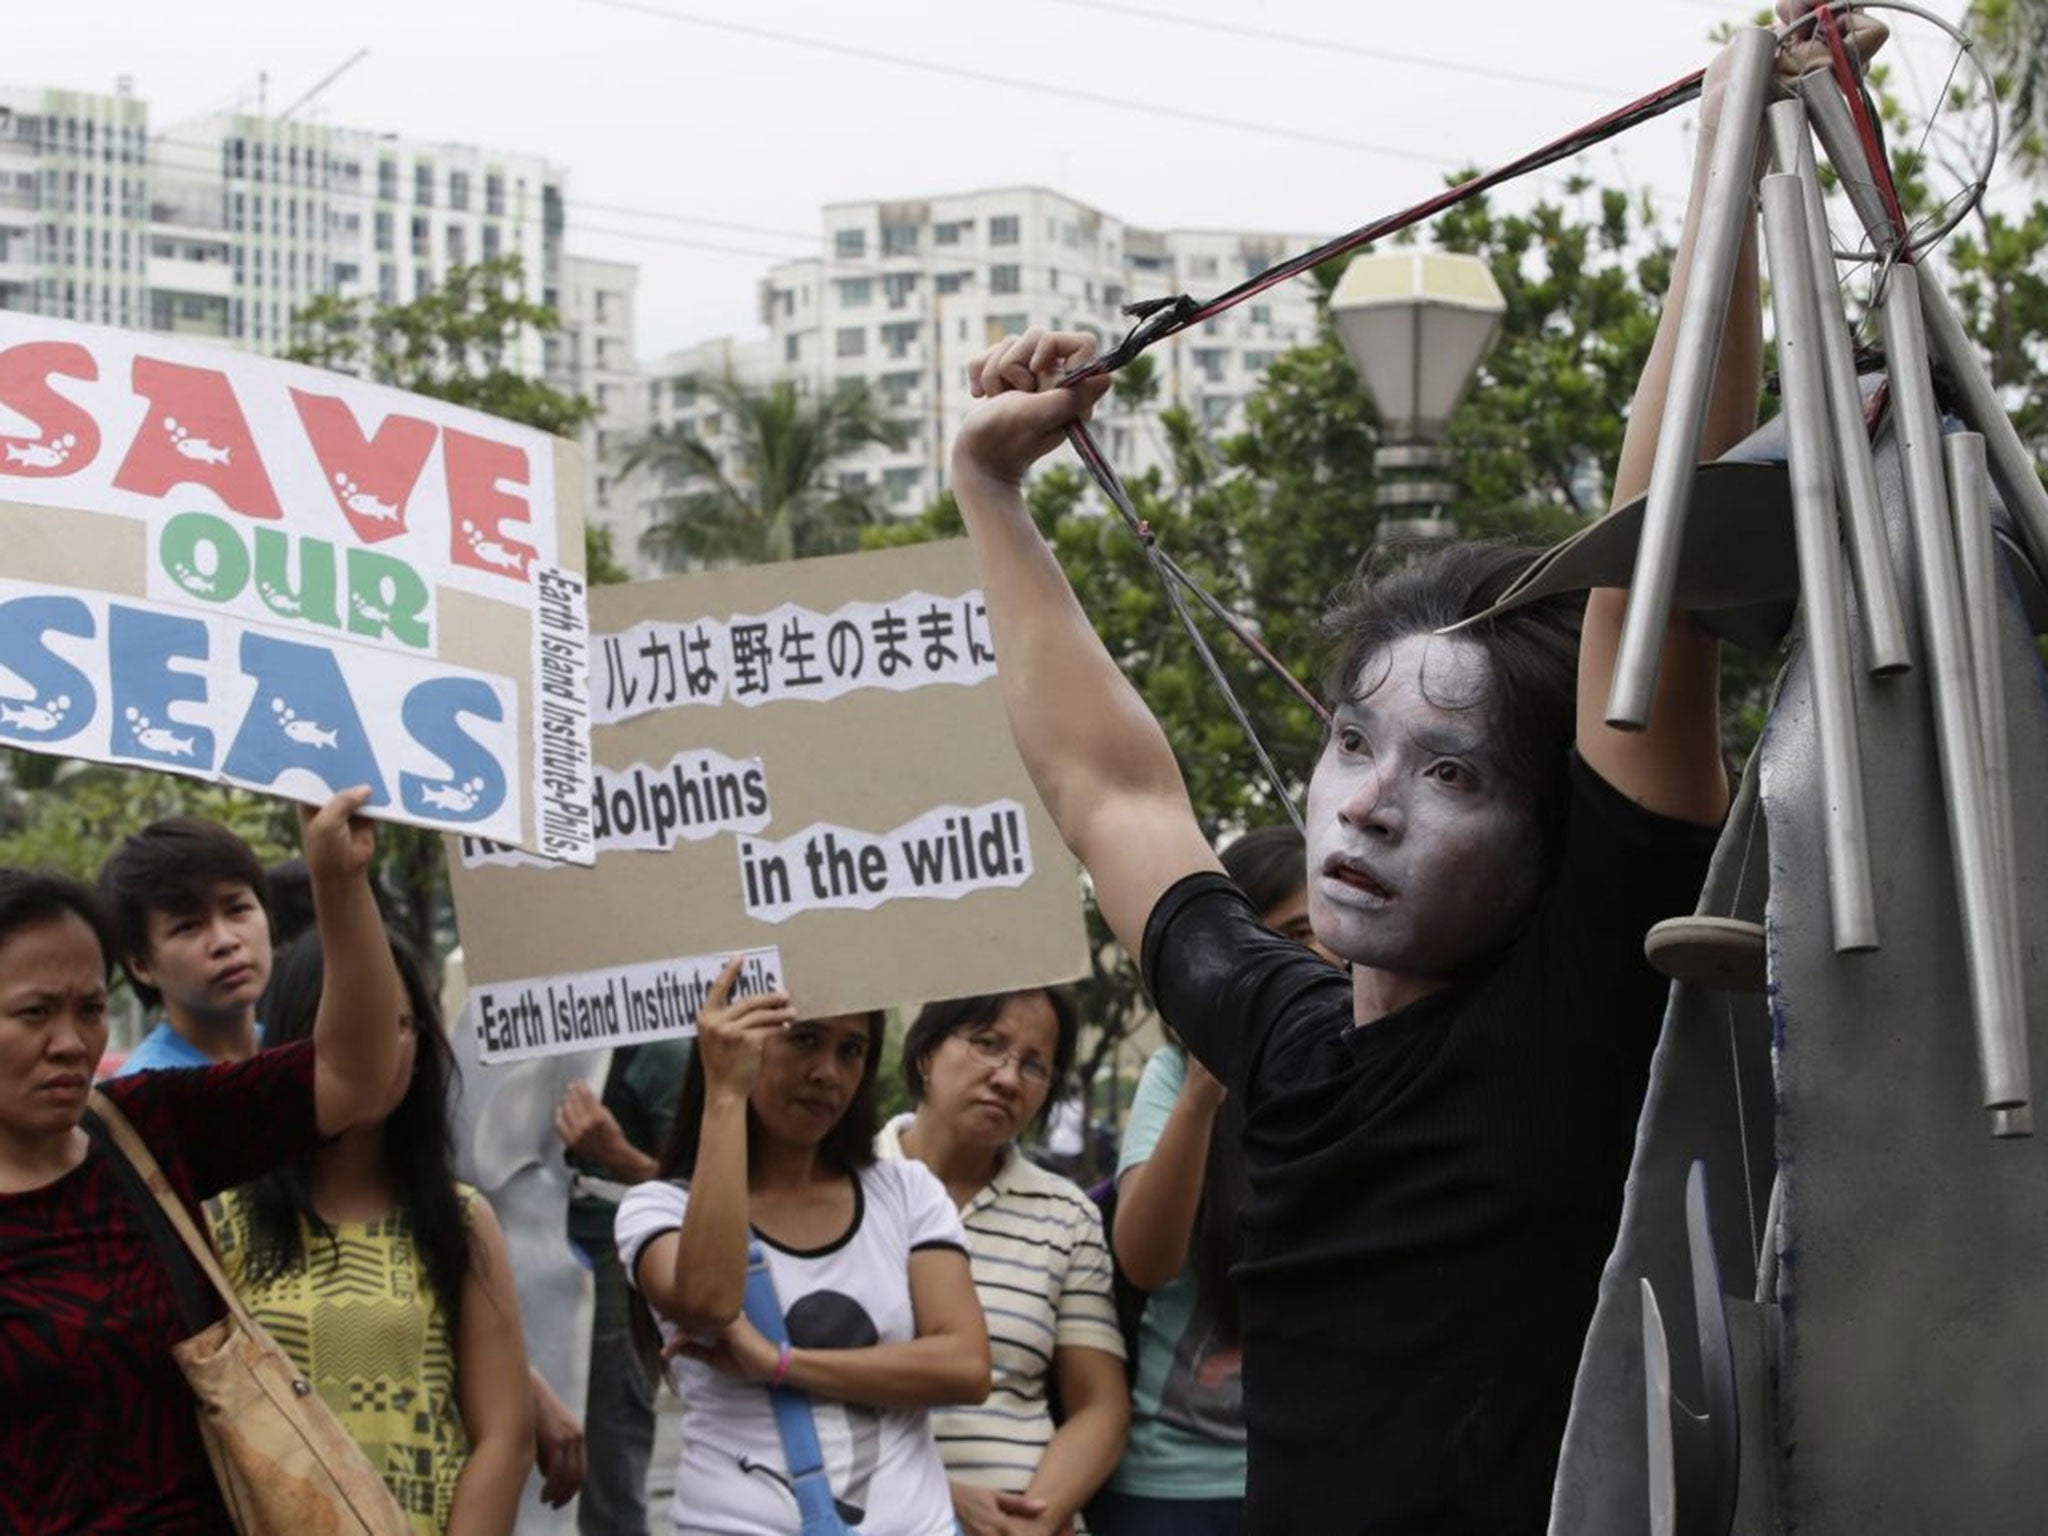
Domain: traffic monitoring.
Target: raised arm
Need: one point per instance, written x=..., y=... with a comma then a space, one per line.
x=1098, y=757
x=360, y=1063
x=697, y=1277
x=1157, y=1199
x=1675, y=766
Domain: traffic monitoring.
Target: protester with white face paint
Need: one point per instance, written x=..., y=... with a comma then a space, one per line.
x=1436, y=1145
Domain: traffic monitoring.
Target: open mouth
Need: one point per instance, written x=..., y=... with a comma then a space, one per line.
x=1358, y=879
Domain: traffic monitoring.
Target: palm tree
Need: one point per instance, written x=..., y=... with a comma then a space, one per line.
x=773, y=493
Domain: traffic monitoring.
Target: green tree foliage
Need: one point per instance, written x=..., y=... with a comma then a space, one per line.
x=776, y=495
x=601, y=566
x=61, y=815
x=2015, y=37
x=452, y=343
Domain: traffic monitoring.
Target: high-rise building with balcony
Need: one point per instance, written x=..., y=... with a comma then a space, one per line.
x=254, y=216
x=74, y=204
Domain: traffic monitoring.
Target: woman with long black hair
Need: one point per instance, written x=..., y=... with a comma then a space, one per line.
x=773, y=1143
x=389, y=1285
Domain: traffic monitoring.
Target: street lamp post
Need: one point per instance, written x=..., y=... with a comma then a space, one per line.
x=1415, y=325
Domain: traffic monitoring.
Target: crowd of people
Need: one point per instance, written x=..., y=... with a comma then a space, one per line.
x=1339, y=1281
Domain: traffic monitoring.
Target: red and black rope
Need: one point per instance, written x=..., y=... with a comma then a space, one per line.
x=1158, y=318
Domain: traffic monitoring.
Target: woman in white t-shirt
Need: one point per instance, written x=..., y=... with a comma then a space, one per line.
x=773, y=1141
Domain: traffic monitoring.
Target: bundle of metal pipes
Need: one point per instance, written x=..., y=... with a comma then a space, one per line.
x=1835, y=497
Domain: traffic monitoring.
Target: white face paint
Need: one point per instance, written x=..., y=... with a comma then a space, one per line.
x=1423, y=853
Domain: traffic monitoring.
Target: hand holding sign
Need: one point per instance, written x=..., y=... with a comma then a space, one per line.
x=337, y=840
x=732, y=1035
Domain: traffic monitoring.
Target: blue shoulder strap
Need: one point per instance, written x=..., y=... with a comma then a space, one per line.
x=793, y=1420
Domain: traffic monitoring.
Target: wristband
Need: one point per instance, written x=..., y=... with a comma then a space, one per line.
x=781, y=1364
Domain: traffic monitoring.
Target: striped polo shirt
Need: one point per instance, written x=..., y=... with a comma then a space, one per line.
x=1034, y=1242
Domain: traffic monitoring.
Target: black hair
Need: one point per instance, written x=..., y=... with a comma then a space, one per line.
x=957, y=1015
x=290, y=900
x=1269, y=864
x=417, y=1139
x=1532, y=651
x=848, y=1145
x=174, y=865
x=32, y=897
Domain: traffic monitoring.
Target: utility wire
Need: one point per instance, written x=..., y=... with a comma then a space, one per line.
x=1019, y=83
x=1356, y=50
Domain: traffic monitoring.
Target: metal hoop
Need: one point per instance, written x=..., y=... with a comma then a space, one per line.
x=1966, y=48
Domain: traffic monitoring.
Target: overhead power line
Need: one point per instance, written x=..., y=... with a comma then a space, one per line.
x=1355, y=50
x=1018, y=83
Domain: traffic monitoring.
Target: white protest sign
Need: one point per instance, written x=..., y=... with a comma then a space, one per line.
x=255, y=572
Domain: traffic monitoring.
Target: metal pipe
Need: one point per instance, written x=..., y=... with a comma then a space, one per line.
x=1945, y=643
x=1884, y=622
x=2011, y=464
x=1802, y=377
x=1983, y=602
x=1723, y=211
x=1829, y=113
x=1977, y=564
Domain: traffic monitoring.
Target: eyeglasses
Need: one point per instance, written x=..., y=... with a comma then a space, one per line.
x=995, y=1055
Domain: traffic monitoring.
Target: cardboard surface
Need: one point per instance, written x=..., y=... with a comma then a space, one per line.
x=876, y=760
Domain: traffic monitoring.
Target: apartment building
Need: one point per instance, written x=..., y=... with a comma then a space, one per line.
x=593, y=355
x=74, y=204
x=910, y=291
x=252, y=217
x=221, y=228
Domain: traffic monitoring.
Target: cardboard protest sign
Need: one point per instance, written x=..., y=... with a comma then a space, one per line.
x=807, y=763
x=277, y=577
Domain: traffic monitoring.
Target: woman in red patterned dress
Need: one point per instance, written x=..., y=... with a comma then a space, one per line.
x=97, y=1429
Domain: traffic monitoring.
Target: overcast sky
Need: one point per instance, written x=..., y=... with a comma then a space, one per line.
x=661, y=121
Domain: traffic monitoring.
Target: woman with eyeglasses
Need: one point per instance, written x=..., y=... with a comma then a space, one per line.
x=980, y=1070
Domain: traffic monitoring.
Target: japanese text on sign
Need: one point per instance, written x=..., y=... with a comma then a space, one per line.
x=792, y=652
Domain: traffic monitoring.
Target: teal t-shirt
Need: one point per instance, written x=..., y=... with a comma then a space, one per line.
x=1187, y=1405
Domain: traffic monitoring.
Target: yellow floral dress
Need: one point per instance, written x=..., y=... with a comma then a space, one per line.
x=363, y=1324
